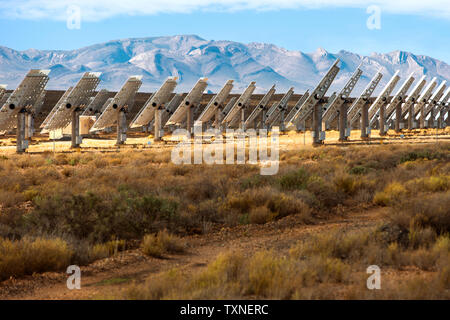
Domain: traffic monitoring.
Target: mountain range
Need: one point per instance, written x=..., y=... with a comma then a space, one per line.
x=190, y=57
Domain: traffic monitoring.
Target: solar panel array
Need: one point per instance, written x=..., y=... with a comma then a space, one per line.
x=123, y=99
x=192, y=99
x=180, y=109
x=24, y=96
x=77, y=99
x=156, y=101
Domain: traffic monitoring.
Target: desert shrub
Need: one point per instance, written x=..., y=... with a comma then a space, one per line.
x=260, y=215
x=422, y=154
x=156, y=245
x=107, y=249
x=254, y=181
x=87, y=216
x=324, y=192
x=429, y=211
x=295, y=180
x=11, y=198
x=345, y=183
x=429, y=184
x=390, y=194
x=27, y=256
x=231, y=275
x=358, y=170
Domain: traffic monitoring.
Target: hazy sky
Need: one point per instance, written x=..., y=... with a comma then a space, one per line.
x=421, y=27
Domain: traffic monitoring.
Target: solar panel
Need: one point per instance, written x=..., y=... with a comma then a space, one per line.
x=96, y=103
x=24, y=96
x=319, y=92
x=52, y=112
x=408, y=106
x=77, y=99
x=425, y=96
x=261, y=106
x=216, y=102
x=228, y=106
x=281, y=106
x=242, y=102
x=297, y=106
x=437, y=95
x=382, y=98
x=335, y=104
x=192, y=99
x=121, y=101
x=400, y=96
x=354, y=110
x=170, y=108
x=156, y=101
x=445, y=98
x=4, y=98
x=2, y=90
x=39, y=102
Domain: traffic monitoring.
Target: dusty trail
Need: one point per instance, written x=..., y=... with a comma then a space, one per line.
x=106, y=276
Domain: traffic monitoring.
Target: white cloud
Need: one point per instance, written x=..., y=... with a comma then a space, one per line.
x=95, y=10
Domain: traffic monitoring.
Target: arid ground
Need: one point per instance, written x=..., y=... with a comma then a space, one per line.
x=141, y=227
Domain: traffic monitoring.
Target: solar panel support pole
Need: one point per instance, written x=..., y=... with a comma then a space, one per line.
x=317, y=124
x=29, y=125
x=242, y=124
x=21, y=145
x=282, y=117
x=382, y=120
x=189, y=120
x=422, y=117
x=76, y=139
x=157, y=125
x=343, y=122
x=263, y=123
x=365, y=120
x=218, y=119
x=398, y=117
x=121, y=127
x=411, y=117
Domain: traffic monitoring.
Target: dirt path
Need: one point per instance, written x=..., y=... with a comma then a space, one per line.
x=102, y=278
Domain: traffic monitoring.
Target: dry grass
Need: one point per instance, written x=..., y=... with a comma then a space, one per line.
x=27, y=256
x=87, y=199
x=161, y=243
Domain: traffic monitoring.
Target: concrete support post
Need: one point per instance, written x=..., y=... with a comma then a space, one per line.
x=422, y=118
x=263, y=119
x=411, y=117
x=317, y=124
x=398, y=117
x=382, y=120
x=343, y=122
x=76, y=139
x=282, y=117
x=21, y=132
x=432, y=117
x=364, y=121
x=189, y=120
x=121, y=127
x=157, y=136
x=29, y=126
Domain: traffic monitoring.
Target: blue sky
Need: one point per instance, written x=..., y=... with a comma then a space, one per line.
x=294, y=25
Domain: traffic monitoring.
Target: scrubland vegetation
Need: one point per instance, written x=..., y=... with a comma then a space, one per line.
x=75, y=208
